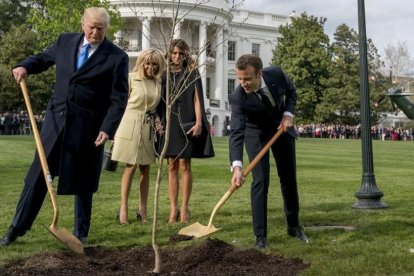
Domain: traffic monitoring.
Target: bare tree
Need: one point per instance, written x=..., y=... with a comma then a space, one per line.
x=167, y=30
x=398, y=59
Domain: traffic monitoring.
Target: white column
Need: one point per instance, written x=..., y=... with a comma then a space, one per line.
x=146, y=33
x=177, y=30
x=225, y=63
x=219, y=76
x=202, y=58
x=221, y=125
x=118, y=36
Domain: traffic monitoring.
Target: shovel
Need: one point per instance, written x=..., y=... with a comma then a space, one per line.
x=61, y=234
x=198, y=230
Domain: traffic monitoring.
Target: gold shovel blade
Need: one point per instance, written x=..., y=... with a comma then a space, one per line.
x=197, y=230
x=67, y=238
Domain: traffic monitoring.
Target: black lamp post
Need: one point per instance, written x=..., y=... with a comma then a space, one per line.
x=369, y=196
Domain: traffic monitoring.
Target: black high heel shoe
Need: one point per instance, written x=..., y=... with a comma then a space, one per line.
x=188, y=212
x=177, y=215
x=139, y=217
x=117, y=216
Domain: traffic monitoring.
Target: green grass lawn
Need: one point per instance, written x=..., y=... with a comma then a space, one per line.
x=329, y=174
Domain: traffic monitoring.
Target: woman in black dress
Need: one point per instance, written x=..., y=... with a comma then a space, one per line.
x=189, y=130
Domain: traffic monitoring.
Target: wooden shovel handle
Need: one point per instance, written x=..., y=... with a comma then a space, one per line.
x=41, y=153
x=258, y=157
x=245, y=172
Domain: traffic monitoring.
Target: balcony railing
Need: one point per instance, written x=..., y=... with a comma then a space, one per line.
x=137, y=46
x=129, y=46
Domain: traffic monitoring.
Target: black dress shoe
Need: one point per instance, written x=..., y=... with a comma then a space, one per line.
x=83, y=240
x=11, y=235
x=297, y=232
x=261, y=242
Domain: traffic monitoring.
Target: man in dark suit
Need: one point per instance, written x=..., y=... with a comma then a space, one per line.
x=84, y=111
x=265, y=101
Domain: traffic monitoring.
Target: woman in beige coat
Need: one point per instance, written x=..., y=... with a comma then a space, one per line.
x=134, y=139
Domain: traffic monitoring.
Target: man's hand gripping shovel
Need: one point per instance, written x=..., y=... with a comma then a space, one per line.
x=198, y=230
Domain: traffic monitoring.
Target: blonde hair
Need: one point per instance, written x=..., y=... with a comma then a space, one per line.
x=96, y=14
x=149, y=55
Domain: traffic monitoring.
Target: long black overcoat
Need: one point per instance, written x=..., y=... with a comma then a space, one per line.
x=84, y=102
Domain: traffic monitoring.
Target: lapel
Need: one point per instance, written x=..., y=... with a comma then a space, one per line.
x=273, y=88
x=152, y=105
x=142, y=89
x=72, y=48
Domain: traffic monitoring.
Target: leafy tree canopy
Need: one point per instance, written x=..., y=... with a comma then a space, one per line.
x=46, y=19
x=303, y=53
x=327, y=75
x=341, y=100
x=15, y=45
x=12, y=13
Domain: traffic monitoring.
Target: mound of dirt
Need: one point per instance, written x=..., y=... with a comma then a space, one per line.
x=212, y=257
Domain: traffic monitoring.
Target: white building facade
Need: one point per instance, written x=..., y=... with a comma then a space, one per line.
x=216, y=33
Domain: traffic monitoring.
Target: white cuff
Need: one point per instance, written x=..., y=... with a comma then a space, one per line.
x=236, y=163
x=288, y=114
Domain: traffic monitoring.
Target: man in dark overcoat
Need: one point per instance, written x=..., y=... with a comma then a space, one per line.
x=264, y=102
x=88, y=101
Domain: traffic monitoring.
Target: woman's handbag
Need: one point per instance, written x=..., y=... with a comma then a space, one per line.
x=107, y=163
x=187, y=126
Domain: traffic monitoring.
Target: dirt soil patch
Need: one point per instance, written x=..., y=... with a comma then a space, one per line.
x=212, y=257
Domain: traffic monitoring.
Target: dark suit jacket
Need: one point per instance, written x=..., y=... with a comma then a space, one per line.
x=249, y=112
x=83, y=103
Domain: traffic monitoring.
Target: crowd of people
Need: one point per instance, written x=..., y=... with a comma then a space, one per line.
x=14, y=123
x=335, y=131
x=18, y=123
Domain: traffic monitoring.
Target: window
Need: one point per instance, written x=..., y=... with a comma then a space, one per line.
x=231, y=54
x=231, y=85
x=256, y=49
x=208, y=88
